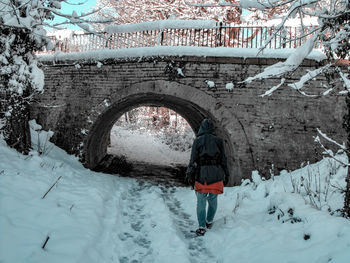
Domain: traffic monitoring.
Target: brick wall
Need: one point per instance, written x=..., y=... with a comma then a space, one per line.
x=259, y=131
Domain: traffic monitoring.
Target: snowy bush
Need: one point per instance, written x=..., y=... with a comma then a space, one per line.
x=172, y=129
x=40, y=139
x=333, y=33
x=316, y=185
x=179, y=141
x=285, y=216
x=320, y=186
x=23, y=33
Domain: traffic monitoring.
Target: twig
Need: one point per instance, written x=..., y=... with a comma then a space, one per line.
x=336, y=159
x=51, y=106
x=47, y=239
x=339, y=188
x=281, y=25
x=51, y=187
x=236, y=205
x=18, y=141
x=327, y=151
x=15, y=13
x=341, y=146
x=221, y=4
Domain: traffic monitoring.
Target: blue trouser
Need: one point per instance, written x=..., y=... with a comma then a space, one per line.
x=202, y=215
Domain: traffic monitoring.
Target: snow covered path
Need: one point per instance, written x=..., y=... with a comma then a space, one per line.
x=99, y=218
x=142, y=208
x=198, y=250
x=133, y=236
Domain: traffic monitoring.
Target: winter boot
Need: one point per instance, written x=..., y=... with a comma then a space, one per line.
x=200, y=231
x=209, y=225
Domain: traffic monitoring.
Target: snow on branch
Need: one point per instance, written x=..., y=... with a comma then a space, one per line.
x=341, y=146
x=246, y=4
x=262, y=4
x=222, y=3
x=295, y=7
x=333, y=32
x=293, y=62
x=71, y=3
x=83, y=20
x=345, y=79
x=270, y=91
x=162, y=24
x=310, y=75
x=328, y=151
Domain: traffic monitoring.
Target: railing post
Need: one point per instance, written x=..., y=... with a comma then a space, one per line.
x=284, y=38
x=54, y=43
x=162, y=37
x=65, y=45
x=108, y=40
x=220, y=35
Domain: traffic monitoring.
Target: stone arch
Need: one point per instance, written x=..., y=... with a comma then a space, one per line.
x=192, y=103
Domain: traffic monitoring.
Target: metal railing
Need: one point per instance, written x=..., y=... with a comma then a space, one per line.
x=222, y=36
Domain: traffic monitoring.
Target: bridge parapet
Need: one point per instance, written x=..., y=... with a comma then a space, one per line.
x=184, y=33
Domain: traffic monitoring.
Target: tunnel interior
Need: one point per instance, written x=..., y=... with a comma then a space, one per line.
x=99, y=135
x=154, y=135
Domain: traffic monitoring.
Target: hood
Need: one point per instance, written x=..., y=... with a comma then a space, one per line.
x=207, y=127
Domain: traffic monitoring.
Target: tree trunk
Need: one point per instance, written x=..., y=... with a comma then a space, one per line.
x=17, y=132
x=346, y=125
x=347, y=195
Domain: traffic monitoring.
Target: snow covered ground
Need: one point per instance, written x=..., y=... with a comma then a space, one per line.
x=95, y=217
x=137, y=145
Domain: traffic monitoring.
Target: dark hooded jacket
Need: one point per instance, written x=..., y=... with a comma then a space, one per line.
x=207, y=146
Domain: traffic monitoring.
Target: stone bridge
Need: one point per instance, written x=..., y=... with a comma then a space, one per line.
x=82, y=102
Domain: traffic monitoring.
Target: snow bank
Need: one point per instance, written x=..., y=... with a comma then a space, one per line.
x=93, y=217
x=275, y=221
x=73, y=214
x=162, y=51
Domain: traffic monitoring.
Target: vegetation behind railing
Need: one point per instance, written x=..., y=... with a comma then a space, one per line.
x=223, y=36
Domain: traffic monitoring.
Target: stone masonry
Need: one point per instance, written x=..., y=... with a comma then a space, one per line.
x=82, y=102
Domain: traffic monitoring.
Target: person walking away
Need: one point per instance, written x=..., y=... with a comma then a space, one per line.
x=207, y=172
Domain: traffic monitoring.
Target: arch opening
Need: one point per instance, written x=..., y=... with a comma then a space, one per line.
x=191, y=104
x=153, y=135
